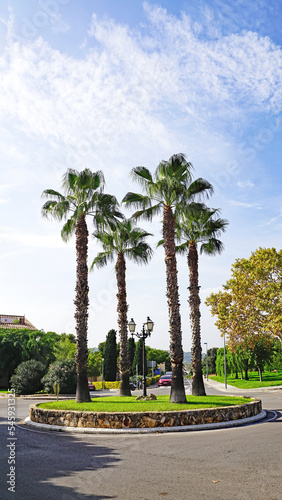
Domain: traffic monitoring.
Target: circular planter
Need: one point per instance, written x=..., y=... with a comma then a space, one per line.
x=143, y=419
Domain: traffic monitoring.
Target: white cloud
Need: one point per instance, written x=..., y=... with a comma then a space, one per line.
x=244, y=204
x=245, y=184
x=131, y=81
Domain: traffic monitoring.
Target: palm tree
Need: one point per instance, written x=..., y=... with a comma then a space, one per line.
x=167, y=192
x=197, y=224
x=124, y=241
x=83, y=195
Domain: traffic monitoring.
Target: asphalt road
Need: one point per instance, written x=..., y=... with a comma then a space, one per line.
x=242, y=463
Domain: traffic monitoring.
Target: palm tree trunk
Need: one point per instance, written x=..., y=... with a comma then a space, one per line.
x=124, y=364
x=198, y=388
x=177, y=393
x=81, y=314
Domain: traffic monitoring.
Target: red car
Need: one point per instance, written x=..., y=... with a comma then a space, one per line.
x=91, y=386
x=165, y=380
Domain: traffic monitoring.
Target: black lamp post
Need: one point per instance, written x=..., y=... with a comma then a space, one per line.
x=146, y=332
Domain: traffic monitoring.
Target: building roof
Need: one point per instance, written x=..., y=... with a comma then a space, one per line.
x=15, y=321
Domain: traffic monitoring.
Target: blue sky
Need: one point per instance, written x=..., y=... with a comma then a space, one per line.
x=114, y=84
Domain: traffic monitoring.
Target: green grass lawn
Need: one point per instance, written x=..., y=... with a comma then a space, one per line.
x=4, y=390
x=268, y=379
x=129, y=404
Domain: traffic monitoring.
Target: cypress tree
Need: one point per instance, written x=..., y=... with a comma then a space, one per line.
x=131, y=352
x=110, y=357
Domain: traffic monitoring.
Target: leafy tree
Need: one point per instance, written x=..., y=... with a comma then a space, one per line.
x=94, y=363
x=198, y=224
x=262, y=353
x=275, y=363
x=211, y=355
x=123, y=241
x=18, y=345
x=101, y=348
x=250, y=306
x=167, y=192
x=83, y=195
x=65, y=348
x=13, y=349
x=41, y=346
x=131, y=352
x=63, y=372
x=158, y=355
x=27, y=377
x=110, y=357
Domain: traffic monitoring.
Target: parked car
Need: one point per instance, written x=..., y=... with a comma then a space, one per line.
x=91, y=386
x=132, y=386
x=165, y=380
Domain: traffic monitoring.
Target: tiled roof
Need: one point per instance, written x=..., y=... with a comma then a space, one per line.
x=15, y=321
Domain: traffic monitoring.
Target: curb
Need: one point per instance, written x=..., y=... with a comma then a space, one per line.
x=147, y=430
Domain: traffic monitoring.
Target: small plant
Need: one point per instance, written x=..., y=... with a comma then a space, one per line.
x=63, y=373
x=27, y=377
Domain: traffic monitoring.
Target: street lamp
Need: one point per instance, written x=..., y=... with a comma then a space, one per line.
x=102, y=374
x=207, y=368
x=146, y=332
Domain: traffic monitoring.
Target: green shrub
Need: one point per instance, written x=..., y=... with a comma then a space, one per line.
x=27, y=377
x=152, y=380
x=63, y=372
x=107, y=385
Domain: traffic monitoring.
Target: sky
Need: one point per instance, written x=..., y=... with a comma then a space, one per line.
x=116, y=84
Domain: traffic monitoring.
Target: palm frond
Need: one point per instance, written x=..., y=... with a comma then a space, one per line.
x=160, y=243
x=142, y=175
x=148, y=213
x=102, y=259
x=212, y=246
x=183, y=248
x=70, y=180
x=199, y=187
x=68, y=229
x=57, y=210
x=140, y=253
x=137, y=200
x=48, y=193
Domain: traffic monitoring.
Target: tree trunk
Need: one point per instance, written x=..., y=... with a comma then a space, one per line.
x=198, y=388
x=81, y=314
x=177, y=393
x=260, y=373
x=124, y=364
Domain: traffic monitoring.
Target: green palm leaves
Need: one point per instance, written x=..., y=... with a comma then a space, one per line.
x=125, y=237
x=83, y=195
x=202, y=225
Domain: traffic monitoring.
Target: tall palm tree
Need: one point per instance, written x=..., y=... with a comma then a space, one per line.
x=83, y=195
x=124, y=241
x=197, y=224
x=167, y=191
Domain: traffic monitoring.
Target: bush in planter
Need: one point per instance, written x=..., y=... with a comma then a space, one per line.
x=27, y=377
x=63, y=372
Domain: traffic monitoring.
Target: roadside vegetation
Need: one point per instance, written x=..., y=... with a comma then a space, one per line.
x=269, y=379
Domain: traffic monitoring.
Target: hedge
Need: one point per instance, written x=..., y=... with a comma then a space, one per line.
x=116, y=385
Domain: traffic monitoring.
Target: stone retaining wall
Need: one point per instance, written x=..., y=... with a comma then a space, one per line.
x=142, y=420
